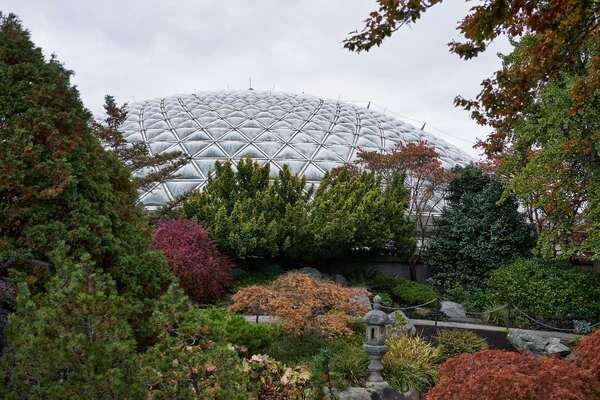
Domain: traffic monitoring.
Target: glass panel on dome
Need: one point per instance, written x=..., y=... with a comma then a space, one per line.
x=288, y=153
x=212, y=151
x=231, y=147
x=194, y=147
x=312, y=173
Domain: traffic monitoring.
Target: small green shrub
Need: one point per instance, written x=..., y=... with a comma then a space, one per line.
x=294, y=350
x=410, y=363
x=386, y=299
x=340, y=365
x=452, y=342
x=499, y=315
x=273, y=380
x=548, y=289
x=409, y=292
x=381, y=283
x=225, y=327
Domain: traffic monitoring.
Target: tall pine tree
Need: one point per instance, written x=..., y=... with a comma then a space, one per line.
x=58, y=186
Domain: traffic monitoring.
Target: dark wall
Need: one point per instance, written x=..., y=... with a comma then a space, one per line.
x=389, y=265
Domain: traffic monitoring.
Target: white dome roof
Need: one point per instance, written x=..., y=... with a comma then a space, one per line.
x=309, y=134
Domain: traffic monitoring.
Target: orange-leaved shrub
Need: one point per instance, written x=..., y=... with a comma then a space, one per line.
x=587, y=353
x=203, y=272
x=502, y=375
x=304, y=304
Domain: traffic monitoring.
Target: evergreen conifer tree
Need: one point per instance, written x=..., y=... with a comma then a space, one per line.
x=477, y=231
x=58, y=185
x=71, y=342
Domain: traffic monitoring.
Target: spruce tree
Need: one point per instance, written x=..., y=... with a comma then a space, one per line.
x=72, y=342
x=477, y=231
x=58, y=185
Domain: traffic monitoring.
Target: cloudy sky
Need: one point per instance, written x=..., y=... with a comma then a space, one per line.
x=140, y=49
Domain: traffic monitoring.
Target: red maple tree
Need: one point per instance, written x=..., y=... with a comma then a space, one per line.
x=203, y=272
x=503, y=375
x=425, y=176
x=587, y=353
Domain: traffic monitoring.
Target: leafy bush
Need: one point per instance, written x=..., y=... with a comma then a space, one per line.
x=273, y=380
x=184, y=363
x=294, y=350
x=304, y=304
x=476, y=232
x=501, y=316
x=409, y=292
x=381, y=283
x=224, y=327
x=453, y=342
x=386, y=299
x=75, y=343
x=352, y=210
x=587, y=353
x=410, y=363
x=502, y=375
x=250, y=216
x=339, y=365
x=192, y=372
x=202, y=271
x=548, y=289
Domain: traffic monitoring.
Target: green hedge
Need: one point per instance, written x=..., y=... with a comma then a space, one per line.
x=548, y=289
x=225, y=327
x=409, y=292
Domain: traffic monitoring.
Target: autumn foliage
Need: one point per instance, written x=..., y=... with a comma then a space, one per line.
x=502, y=375
x=304, y=304
x=587, y=353
x=203, y=272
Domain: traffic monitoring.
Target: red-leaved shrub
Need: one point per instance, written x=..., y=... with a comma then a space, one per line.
x=587, y=353
x=203, y=272
x=502, y=375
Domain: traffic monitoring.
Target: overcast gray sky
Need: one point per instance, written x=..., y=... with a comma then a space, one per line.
x=139, y=49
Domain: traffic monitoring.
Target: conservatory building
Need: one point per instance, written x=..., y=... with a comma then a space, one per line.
x=310, y=134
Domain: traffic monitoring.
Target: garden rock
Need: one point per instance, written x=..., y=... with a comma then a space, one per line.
x=340, y=280
x=542, y=343
x=312, y=272
x=556, y=347
x=363, y=299
x=453, y=310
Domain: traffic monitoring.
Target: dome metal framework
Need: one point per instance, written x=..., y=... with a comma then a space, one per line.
x=310, y=134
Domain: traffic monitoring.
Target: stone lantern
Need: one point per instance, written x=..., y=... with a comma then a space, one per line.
x=376, y=321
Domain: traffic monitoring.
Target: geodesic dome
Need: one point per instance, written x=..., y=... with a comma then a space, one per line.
x=310, y=134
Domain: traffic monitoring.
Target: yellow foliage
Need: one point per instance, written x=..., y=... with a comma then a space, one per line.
x=304, y=304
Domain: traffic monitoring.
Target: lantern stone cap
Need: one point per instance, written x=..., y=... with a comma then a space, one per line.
x=376, y=316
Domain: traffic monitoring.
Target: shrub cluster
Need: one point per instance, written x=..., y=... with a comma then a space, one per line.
x=250, y=216
x=410, y=363
x=411, y=293
x=338, y=365
x=587, y=353
x=272, y=380
x=304, y=304
x=202, y=271
x=225, y=327
x=501, y=375
x=548, y=289
x=453, y=342
x=399, y=290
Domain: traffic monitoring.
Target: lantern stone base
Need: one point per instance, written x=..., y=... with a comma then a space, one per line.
x=359, y=393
